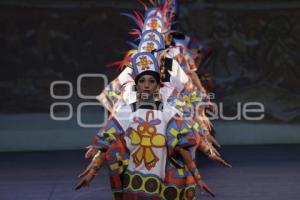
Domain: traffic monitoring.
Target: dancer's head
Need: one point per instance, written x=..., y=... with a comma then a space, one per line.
x=148, y=82
x=147, y=77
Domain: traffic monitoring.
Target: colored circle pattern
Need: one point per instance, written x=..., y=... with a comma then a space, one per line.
x=137, y=182
x=151, y=185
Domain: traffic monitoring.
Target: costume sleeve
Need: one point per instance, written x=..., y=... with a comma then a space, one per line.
x=115, y=128
x=177, y=103
x=112, y=93
x=179, y=133
x=111, y=141
x=109, y=134
x=199, y=97
x=178, y=78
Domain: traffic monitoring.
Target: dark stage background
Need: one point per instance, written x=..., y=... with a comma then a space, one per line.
x=256, y=58
x=255, y=49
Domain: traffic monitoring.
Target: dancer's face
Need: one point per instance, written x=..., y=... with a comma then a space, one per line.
x=147, y=84
x=168, y=39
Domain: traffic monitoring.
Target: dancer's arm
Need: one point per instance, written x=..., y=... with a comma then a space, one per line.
x=208, y=150
x=189, y=162
x=91, y=171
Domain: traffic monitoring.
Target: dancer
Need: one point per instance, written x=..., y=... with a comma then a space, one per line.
x=157, y=120
x=148, y=144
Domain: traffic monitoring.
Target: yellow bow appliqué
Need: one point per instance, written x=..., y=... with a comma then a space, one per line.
x=146, y=137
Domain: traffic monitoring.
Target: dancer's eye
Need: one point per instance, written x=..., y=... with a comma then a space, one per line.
x=152, y=81
x=141, y=81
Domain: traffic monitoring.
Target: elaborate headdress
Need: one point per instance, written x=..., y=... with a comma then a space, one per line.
x=145, y=63
x=153, y=35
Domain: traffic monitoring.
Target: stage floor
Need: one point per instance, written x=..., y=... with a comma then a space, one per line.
x=259, y=173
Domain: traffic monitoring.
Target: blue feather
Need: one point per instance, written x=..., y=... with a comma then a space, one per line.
x=132, y=44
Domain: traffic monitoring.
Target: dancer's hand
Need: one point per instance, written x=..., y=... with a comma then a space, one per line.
x=86, y=180
x=220, y=161
x=212, y=140
x=86, y=171
x=91, y=152
x=211, y=151
x=203, y=186
x=95, y=164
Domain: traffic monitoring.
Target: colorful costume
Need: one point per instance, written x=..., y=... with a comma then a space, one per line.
x=150, y=146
